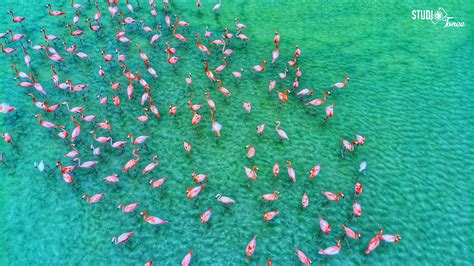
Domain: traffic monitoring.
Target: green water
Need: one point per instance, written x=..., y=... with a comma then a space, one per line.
x=410, y=94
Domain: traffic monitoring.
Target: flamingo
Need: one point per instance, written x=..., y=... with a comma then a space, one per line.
x=99, y=139
x=206, y=216
x=276, y=169
x=260, y=68
x=332, y=196
x=260, y=129
x=216, y=127
x=143, y=118
x=225, y=200
x=74, y=33
x=201, y=47
x=72, y=153
x=54, y=13
x=391, y=238
x=45, y=124
x=210, y=102
x=223, y=90
x=250, y=151
x=324, y=225
x=341, y=84
x=128, y=208
x=156, y=37
x=239, y=25
x=199, y=177
x=15, y=19
x=151, y=165
x=88, y=164
x=271, y=197
x=93, y=199
x=64, y=134
x=193, y=192
x=291, y=171
x=189, y=79
x=173, y=109
x=178, y=35
x=302, y=257
x=268, y=216
x=314, y=171
x=16, y=37
x=7, y=50
x=251, y=173
x=374, y=242
x=209, y=73
x=77, y=110
x=114, y=178
x=358, y=188
x=122, y=238
x=187, y=259
x=275, y=53
x=351, y=234
x=305, y=200
x=238, y=74
x=247, y=107
x=357, y=209
x=131, y=163
x=271, y=85
x=276, y=39
x=157, y=183
x=221, y=67
x=217, y=6
x=333, y=250
x=283, y=96
x=251, y=247
x=317, y=102
x=280, y=132
x=5, y=108
x=187, y=147
x=153, y=108
x=40, y=105
x=305, y=92
x=196, y=119
x=195, y=107
x=360, y=141
x=152, y=219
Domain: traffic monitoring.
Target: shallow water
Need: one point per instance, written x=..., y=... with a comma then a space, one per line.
x=410, y=93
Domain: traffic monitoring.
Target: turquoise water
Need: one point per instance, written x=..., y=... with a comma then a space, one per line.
x=410, y=94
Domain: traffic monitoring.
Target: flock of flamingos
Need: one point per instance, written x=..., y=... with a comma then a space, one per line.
x=127, y=23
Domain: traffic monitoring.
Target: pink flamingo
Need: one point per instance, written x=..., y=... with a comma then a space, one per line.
x=325, y=227
x=291, y=171
x=16, y=19
x=251, y=247
x=152, y=219
x=251, y=173
x=317, y=102
x=280, y=132
x=305, y=200
x=187, y=259
x=151, y=165
x=193, y=192
x=45, y=124
x=122, y=238
x=333, y=250
x=314, y=171
x=206, y=216
x=374, y=242
x=88, y=164
x=131, y=163
x=158, y=183
x=114, y=178
x=201, y=47
x=332, y=196
x=271, y=197
x=350, y=233
x=303, y=258
x=357, y=209
x=93, y=199
x=221, y=67
x=225, y=200
x=268, y=216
